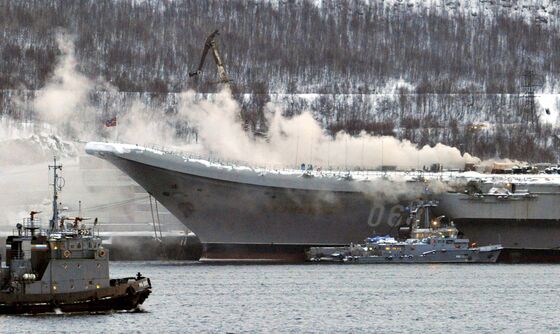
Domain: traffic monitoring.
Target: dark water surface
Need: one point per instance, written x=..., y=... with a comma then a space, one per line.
x=199, y=298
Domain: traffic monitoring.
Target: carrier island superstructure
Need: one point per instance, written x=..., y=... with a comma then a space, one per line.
x=251, y=213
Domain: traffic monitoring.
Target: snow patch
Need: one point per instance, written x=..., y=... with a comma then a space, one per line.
x=550, y=104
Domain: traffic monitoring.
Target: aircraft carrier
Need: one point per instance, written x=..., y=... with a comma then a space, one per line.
x=251, y=213
x=246, y=213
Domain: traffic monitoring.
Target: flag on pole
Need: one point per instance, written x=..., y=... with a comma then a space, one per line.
x=111, y=122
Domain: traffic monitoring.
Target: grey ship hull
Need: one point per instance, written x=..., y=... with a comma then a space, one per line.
x=246, y=215
x=515, y=222
x=449, y=256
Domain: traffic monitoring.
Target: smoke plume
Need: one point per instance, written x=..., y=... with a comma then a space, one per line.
x=64, y=104
x=64, y=110
x=301, y=139
x=63, y=113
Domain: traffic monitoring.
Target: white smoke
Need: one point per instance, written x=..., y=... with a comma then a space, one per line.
x=64, y=108
x=66, y=91
x=61, y=108
x=64, y=104
x=63, y=111
x=301, y=139
x=140, y=124
x=25, y=188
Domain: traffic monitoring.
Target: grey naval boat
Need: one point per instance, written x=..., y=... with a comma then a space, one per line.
x=431, y=244
x=63, y=268
x=435, y=248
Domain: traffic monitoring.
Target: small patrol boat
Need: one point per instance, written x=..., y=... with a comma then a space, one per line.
x=431, y=244
x=63, y=268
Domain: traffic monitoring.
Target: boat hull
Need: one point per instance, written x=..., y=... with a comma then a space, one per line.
x=245, y=213
x=124, y=297
x=516, y=223
x=515, y=234
x=460, y=256
x=240, y=215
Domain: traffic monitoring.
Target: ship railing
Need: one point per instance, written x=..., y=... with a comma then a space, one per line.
x=29, y=223
x=414, y=171
x=208, y=157
x=34, y=225
x=329, y=171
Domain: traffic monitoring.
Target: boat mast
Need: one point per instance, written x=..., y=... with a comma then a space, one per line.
x=56, y=188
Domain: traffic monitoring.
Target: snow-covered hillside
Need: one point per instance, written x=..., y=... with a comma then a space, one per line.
x=434, y=71
x=281, y=46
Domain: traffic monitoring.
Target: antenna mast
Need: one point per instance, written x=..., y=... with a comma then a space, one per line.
x=56, y=188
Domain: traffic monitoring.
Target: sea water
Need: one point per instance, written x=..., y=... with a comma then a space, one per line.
x=192, y=297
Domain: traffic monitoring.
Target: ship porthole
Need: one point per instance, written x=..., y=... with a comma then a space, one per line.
x=67, y=253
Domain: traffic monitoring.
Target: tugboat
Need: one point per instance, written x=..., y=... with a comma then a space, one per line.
x=431, y=244
x=63, y=268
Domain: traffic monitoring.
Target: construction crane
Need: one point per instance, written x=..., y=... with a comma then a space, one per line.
x=211, y=44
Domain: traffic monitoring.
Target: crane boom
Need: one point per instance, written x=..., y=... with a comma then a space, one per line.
x=211, y=44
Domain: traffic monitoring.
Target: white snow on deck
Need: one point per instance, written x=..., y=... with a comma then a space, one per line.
x=446, y=176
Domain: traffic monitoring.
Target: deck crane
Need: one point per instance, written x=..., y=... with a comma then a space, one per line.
x=211, y=44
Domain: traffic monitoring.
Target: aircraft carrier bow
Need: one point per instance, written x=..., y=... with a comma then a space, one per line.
x=249, y=213
x=241, y=212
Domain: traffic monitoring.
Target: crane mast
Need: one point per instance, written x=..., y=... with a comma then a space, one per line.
x=212, y=44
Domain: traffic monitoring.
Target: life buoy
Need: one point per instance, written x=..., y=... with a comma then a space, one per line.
x=67, y=253
x=101, y=253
